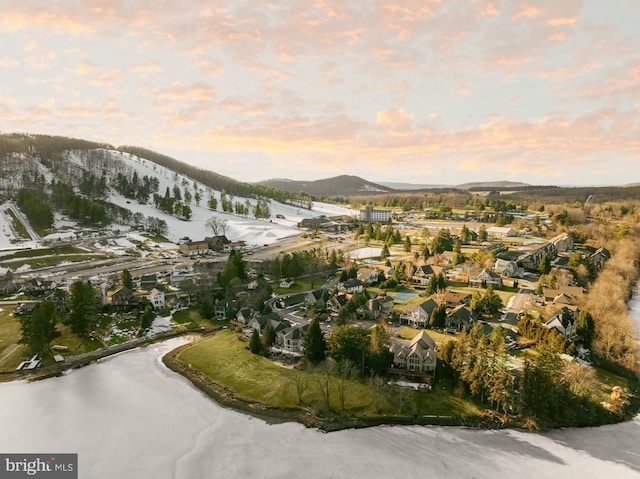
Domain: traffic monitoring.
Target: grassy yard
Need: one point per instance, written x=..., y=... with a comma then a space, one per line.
x=226, y=360
x=300, y=285
x=11, y=353
x=191, y=319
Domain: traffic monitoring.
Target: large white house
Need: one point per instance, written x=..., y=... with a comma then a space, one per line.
x=416, y=356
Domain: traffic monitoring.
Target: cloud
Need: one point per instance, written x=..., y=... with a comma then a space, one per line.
x=394, y=119
x=555, y=22
x=84, y=67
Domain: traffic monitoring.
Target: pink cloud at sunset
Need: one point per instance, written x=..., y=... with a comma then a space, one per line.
x=395, y=90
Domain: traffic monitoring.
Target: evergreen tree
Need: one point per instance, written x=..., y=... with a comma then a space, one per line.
x=407, y=244
x=255, y=345
x=585, y=327
x=545, y=264
x=39, y=327
x=482, y=234
x=81, y=307
x=438, y=316
x=379, y=350
x=315, y=346
x=126, y=279
x=349, y=343
x=268, y=337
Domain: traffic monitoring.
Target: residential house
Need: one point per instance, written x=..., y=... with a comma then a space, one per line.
x=351, y=286
x=508, y=269
x=156, y=298
x=314, y=298
x=194, y=248
x=220, y=307
x=501, y=232
x=424, y=273
x=217, y=243
x=367, y=275
x=286, y=283
x=337, y=302
x=485, y=279
x=388, y=271
x=289, y=341
x=377, y=308
x=599, y=257
x=261, y=322
x=531, y=259
x=39, y=286
x=452, y=299
x=177, y=278
x=563, y=299
x=563, y=242
x=122, y=297
x=564, y=321
x=420, y=315
x=244, y=316
x=459, y=318
x=148, y=282
x=573, y=292
x=417, y=356
x=7, y=286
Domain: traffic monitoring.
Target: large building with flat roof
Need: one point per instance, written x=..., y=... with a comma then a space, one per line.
x=371, y=215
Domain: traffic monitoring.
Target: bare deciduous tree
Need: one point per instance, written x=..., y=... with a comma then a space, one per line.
x=217, y=226
x=324, y=382
x=299, y=381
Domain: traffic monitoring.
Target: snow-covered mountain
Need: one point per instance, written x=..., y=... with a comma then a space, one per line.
x=99, y=173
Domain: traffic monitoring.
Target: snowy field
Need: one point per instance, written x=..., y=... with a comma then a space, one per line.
x=255, y=232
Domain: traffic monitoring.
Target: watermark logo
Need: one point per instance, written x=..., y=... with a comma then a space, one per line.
x=48, y=466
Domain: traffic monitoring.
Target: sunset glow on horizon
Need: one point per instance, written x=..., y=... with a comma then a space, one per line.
x=414, y=91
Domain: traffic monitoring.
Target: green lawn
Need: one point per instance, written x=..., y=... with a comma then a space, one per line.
x=11, y=353
x=300, y=285
x=226, y=360
x=191, y=319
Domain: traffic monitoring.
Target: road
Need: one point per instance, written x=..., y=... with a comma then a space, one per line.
x=16, y=211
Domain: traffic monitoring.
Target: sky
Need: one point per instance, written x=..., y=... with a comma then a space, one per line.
x=414, y=91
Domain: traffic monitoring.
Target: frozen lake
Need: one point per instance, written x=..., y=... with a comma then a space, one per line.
x=130, y=417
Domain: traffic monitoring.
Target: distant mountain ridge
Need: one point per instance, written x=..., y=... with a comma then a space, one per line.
x=343, y=185
x=491, y=184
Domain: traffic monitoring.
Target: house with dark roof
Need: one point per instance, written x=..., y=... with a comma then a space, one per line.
x=351, y=286
x=8, y=286
x=243, y=316
x=424, y=273
x=600, y=257
x=217, y=243
x=419, y=316
x=337, y=302
x=564, y=321
x=261, y=322
x=459, y=318
x=377, y=308
x=289, y=341
x=313, y=298
x=121, y=298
